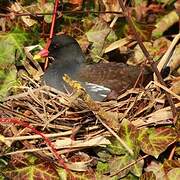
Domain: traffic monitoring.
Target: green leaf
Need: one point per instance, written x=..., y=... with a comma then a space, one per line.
x=171, y=164
x=9, y=43
x=144, y=30
x=62, y=173
x=120, y=162
x=2, y=178
x=116, y=148
x=129, y=133
x=137, y=168
x=42, y=171
x=48, y=8
x=97, y=35
x=7, y=81
x=102, y=167
x=30, y=168
x=156, y=140
x=174, y=174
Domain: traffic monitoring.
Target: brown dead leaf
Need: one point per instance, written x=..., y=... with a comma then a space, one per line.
x=117, y=44
x=166, y=22
x=79, y=2
x=176, y=86
x=16, y=7
x=110, y=5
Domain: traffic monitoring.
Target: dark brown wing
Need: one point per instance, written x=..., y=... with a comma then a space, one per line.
x=116, y=76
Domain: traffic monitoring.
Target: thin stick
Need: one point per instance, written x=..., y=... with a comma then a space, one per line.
x=129, y=165
x=52, y=13
x=148, y=57
x=20, y=138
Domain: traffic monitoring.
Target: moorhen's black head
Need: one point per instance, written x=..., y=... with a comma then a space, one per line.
x=67, y=56
x=64, y=48
x=67, y=47
x=98, y=79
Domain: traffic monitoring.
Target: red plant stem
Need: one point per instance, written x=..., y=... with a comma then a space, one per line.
x=52, y=30
x=52, y=24
x=54, y=18
x=47, y=140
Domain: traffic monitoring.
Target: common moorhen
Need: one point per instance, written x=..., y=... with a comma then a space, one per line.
x=98, y=79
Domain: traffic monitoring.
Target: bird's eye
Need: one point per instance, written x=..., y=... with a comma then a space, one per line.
x=56, y=46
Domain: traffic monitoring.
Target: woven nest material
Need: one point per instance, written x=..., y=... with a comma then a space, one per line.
x=74, y=122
